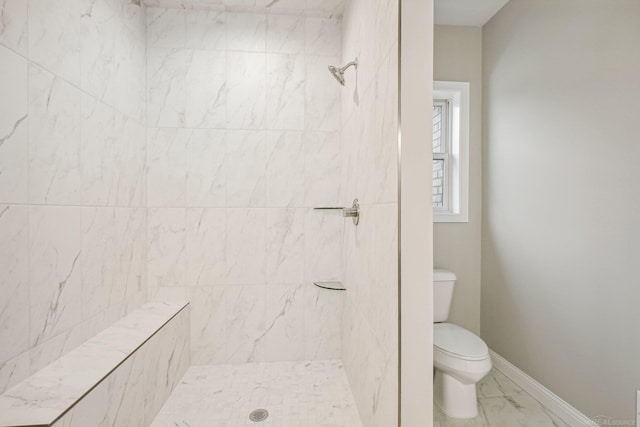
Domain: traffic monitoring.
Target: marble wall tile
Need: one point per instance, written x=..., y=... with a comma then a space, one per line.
x=13, y=123
x=262, y=146
x=246, y=243
x=54, y=276
x=323, y=36
x=285, y=246
x=49, y=351
x=206, y=29
x=369, y=162
x=131, y=255
x=13, y=31
x=323, y=323
x=323, y=246
x=206, y=89
x=246, y=32
x=54, y=139
x=384, y=283
x=130, y=162
x=284, y=337
x=351, y=166
x=131, y=61
x=98, y=261
x=85, y=145
x=166, y=28
x=14, y=264
x=324, y=7
x=13, y=371
x=322, y=177
x=285, y=34
x=386, y=124
x=206, y=246
x=98, y=48
x=285, y=91
x=246, y=168
x=322, y=94
x=97, y=155
x=166, y=95
x=166, y=164
x=54, y=37
x=367, y=140
x=386, y=27
x=206, y=168
x=246, y=324
x=166, y=248
x=246, y=96
x=285, y=184
x=209, y=306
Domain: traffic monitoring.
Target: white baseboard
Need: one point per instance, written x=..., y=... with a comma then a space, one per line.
x=551, y=401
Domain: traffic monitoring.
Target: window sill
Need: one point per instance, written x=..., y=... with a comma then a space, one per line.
x=449, y=217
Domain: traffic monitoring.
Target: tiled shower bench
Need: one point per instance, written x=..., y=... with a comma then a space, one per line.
x=120, y=377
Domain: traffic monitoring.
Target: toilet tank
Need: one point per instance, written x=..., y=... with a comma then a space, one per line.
x=443, y=283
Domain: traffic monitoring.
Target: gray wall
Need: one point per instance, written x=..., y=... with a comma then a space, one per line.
x=458, y=57
x=560, y=249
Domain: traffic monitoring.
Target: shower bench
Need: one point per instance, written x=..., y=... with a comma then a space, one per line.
x=120, y=377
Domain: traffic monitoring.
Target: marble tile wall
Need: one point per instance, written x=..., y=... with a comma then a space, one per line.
x=369, y=172
x=244, y=139
x=72, y=182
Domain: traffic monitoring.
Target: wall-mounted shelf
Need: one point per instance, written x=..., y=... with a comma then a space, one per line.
x=352, y=212
x=333, y=285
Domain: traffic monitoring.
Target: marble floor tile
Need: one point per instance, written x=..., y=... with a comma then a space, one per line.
x=296, y=394
x=501, y=403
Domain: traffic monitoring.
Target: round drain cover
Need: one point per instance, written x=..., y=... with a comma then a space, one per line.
x=259, y=415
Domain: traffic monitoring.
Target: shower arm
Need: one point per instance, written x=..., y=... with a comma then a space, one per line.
x=350, y=64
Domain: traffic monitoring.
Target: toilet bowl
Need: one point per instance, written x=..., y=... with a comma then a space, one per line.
x=460, y=357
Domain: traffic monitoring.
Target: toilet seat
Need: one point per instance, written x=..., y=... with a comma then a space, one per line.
x=459, y=343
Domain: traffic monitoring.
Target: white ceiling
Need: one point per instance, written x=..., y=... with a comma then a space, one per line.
x=473, y=13
x=325, y=8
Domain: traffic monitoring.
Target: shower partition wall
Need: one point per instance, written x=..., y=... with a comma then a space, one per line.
x=370, y=172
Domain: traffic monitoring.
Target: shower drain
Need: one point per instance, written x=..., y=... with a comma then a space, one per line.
x=259, y=415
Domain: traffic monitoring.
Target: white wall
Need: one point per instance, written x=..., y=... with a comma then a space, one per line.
x=369, y=173
x=560, y=233
x=416, y=215
x=244, y=141
x=458, y=57
x=72, y=188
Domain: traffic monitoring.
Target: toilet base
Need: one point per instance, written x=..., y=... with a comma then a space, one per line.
x=455, y=399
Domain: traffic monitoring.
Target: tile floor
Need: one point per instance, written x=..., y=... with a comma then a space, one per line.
x=501, y=403
x=317, y=394
x=296, y=394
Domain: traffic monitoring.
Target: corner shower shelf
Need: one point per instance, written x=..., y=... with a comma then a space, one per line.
x=334, y=285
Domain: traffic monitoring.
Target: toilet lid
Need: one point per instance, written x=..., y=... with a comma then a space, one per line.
x=458, y=342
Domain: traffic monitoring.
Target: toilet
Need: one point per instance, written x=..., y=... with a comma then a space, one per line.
x=460, y=357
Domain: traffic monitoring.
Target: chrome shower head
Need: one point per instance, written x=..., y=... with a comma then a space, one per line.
x=338, y=73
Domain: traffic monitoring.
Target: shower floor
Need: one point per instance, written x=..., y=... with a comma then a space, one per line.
x=296, y=394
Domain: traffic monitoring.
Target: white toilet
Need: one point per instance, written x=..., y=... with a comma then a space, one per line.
x=460, y=357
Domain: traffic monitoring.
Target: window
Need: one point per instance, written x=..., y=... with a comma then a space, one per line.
x=450, y=152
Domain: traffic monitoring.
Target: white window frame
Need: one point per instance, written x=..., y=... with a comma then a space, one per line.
x=457, y=157
x=445, y=140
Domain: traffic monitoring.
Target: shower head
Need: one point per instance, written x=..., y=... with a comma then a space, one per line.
x=338, y=73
